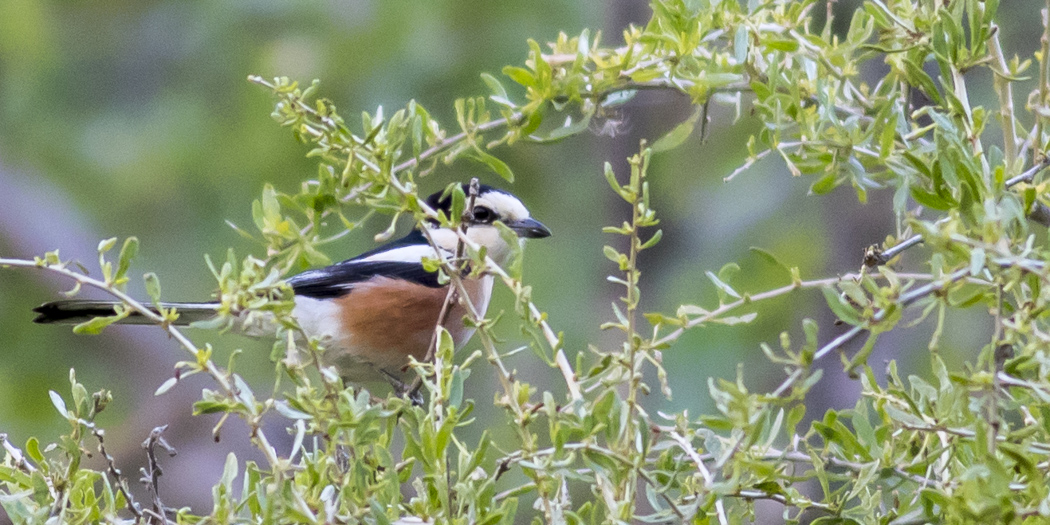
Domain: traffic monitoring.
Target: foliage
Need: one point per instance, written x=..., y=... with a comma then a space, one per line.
x=966, y=444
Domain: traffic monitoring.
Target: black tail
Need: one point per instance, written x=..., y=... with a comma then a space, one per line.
x=75, y=312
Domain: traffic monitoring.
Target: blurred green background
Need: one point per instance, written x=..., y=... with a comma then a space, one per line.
x=123, y=118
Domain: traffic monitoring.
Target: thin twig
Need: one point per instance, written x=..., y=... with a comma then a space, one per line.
x=441, y=145
x=452, y=295
x=122, y=484
x=1027, y=176
x=1004, y=88
x=19, y=459
x=709, y=480
x=1044, y=80
x=747, y=164
x=782, y=499
x=883, y=257
x=746, y=300
x=209, y=366
x=152, y=472
x=905, y=300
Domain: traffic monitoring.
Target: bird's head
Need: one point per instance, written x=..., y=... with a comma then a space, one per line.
x=490, y=206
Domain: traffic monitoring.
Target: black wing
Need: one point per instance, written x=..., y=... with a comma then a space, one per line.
x=339, y=279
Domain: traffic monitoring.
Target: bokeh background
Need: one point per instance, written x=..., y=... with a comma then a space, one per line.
x=132, y=117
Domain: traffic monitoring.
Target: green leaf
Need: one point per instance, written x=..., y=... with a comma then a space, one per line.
x=723, y=288
x=459, y=203
x=494, y=85
x=33, y=446
x=679, y=134
x=152, y=287
x=824, y=184
x=284, y=409
x=930, y=200
x=976, y=261
x=781, y=44
x=569, y=129
x=903, y=417
x=652, y=240
x=97, y=324
x=611, y=254
x=60, y=404
x=229, y=472
x=455, y=389
x=624, y=192
x=917, y=77
x=127, y=253
x=842, y=309
x=496, y=165
x=740, y=44
x=728, y=271
x=770, y=258
x=106, y=245
x=270, y=206
x=520, y=75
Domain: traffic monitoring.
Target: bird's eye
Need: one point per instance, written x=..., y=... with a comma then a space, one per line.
x=483, y=214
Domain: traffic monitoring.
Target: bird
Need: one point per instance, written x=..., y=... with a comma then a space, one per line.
x=373, y=311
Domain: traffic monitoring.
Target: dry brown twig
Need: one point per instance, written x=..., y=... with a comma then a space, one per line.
x=152, y=472
x=114, y=472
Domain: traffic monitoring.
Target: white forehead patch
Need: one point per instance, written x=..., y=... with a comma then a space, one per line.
x=507, y=206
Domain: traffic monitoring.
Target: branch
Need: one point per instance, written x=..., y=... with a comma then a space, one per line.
x=878, y=258
x=1044, y=79
x=1004, y=88
x=16, y=456
x=151, y=474
x=687, y=447
x=443, y=144
x=905, y=300
x=746, y=300
x=122, y=484
x=451, y=296
x=264, y=444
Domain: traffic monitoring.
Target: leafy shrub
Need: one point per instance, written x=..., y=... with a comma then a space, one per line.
x=965, y=444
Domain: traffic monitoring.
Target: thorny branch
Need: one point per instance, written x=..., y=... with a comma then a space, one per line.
x=114, y=472
x=151, y=474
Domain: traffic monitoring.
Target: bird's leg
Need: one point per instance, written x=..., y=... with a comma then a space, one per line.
x=403, y=389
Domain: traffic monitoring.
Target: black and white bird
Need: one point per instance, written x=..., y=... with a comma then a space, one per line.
x=373, y=311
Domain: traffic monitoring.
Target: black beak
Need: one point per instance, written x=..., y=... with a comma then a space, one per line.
x=529, y=228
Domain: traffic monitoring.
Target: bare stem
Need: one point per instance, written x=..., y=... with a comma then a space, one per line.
x=114, y=472
x=16, y=456
x=904, y=300
x=885, y=256
x=452, y=295
x=1004, y=88
x=746, y=300
x=709, y=479
x=152, y=472
x=1044, y=80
